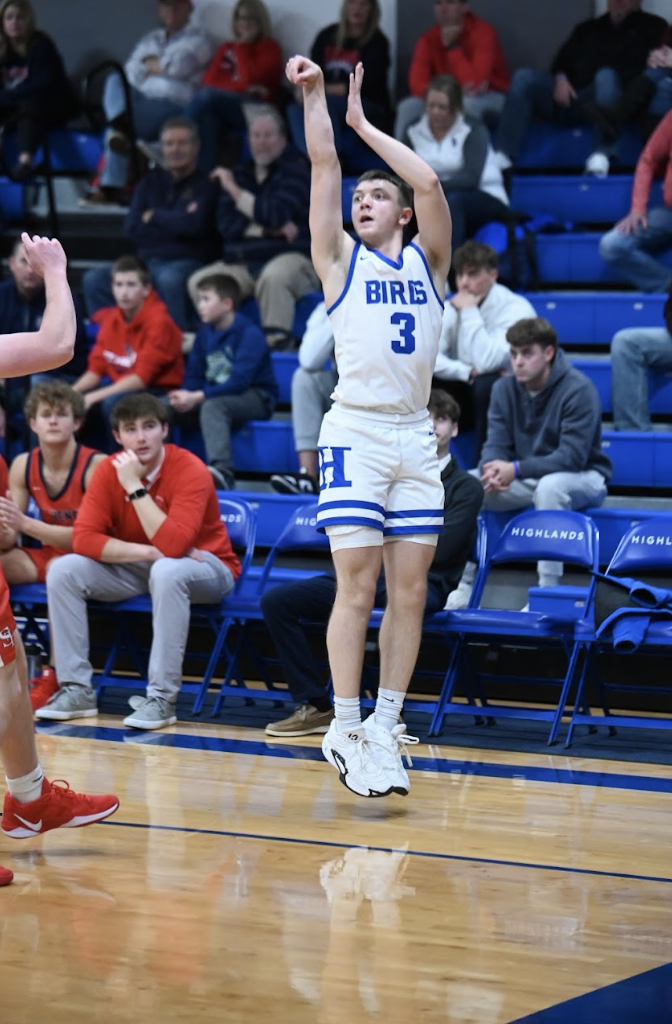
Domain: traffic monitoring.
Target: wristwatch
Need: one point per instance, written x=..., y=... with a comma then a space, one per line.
x=140, y=493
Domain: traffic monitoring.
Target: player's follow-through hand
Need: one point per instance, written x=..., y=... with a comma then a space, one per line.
x=303, y=72
x=44, y=254
x=355, y=113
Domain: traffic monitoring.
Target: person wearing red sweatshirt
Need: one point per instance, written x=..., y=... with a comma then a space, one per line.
x=246, y=69
x=138, y=347
x=465, y=47
x=149, y=524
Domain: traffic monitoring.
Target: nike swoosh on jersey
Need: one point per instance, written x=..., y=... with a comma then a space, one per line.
x=34, y=826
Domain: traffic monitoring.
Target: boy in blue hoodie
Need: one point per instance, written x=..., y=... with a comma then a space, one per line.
x=229, y=377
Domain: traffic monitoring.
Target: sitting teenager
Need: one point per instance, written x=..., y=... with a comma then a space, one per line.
x=55, y=476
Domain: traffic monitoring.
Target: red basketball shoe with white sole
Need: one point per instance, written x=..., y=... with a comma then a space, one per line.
x=6, y=876
x=58, y=807
x=42, y=687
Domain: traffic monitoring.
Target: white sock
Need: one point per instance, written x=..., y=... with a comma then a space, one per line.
x=388, y=708
x=28, y=787
x=348, y=713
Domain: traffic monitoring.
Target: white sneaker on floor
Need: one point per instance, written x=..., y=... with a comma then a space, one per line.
x=351, y=754
x=597, y=164
x=387, y=748
x=460, y=597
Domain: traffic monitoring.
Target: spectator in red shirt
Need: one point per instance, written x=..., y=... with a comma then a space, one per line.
x=466, y=47
x=149, y=524
x=633, y=244
x=138, y=347
x=247, y=69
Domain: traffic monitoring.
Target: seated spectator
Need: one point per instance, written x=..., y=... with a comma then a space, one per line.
x=473, y=349
x=544, y=443
x=284, y=607
x=171, y=222
x=245, y=70
x=149, y=523
x=55, y=476
x=600, y=58
x=459, y=150
x=138, y=347
x=163, y=71
x=262, y=217
x=635, y=351
x=313, y=382
x=22, y=304
x=229, y=378
x=468, y=49
x=35, y=92
x=338, y=49
x=632, y=245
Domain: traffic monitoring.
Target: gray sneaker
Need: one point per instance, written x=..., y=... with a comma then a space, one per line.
x=70, y=701
x=305, y=721
x=150, y=713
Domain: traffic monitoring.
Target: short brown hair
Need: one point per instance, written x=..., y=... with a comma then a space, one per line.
x=136, y=406
x=475, y=256
x=451, y=88
x=224, y=285
x=442, y=404
x=132, y=265
x=403, y=188
x=532, y=331
x=55, y=394
x=181, y=122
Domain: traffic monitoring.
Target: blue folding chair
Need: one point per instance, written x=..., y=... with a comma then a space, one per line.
x=298, y=536
x=562, y=536
x=240, y=520
x=644, y=554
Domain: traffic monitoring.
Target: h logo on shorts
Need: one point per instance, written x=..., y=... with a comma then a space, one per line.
x=336, y=464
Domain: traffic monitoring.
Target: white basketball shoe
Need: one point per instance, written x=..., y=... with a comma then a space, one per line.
x=352, y=756
x=387, y=748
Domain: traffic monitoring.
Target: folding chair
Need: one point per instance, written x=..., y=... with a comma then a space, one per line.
x=562, y=536
x=299, y=535
x=643, y=554
x=240, y=520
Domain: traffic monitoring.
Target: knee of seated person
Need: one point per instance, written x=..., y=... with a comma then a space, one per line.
x=549, y=494
x=613, y=244
x=63, y=567
x=624, y=342
x=607, y=76
x=163, y=573
x=523, y=78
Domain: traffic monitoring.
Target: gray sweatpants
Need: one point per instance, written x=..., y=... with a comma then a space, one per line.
x=174, y=584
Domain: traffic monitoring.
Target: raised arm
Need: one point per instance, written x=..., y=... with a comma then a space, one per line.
x=54, y=343
x=431, y=208
x=330, y=245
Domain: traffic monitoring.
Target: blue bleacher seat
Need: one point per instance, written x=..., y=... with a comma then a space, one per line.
x=548, y=145
x=577, y=198
x=583, y=318
x=265, y=446
x=599, y=371
x=284, y=365
x=574, y=257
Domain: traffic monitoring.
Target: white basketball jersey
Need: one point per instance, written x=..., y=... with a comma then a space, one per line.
x=387, y=324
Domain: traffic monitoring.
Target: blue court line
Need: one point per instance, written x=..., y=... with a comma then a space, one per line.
x=460, y=858
x=443, y=766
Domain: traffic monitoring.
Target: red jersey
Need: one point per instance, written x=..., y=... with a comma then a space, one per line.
x=58, y=509
x=7, y=621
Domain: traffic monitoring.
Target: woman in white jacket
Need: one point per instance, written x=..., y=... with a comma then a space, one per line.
x=459, y=150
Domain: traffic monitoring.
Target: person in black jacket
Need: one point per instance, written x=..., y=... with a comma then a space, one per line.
x=601, y=57
x=338, y=49
x=35, y=92
x=287, y=606
x=171, y=223
x=262, y=216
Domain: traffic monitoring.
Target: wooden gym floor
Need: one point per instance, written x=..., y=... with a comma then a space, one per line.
x=241, y=882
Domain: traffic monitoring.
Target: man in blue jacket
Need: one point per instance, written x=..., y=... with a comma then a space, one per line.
x=262, y=216
x=171, y=222
x=229, y=377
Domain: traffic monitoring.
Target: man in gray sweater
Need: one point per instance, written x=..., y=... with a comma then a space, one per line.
x=544, y=439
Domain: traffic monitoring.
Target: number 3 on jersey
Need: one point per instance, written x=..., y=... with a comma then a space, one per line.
x=405, y=344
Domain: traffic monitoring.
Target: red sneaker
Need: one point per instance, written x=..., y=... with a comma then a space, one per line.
x=42, y=687
x=58, y=807
x=5, y=876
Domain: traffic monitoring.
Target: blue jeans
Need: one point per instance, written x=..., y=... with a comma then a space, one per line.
x=531, y=94
x=662, y=97
x=215, y=111
x=169, y=277
x=631, y=255
x=633, y=352
x=148, y=117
